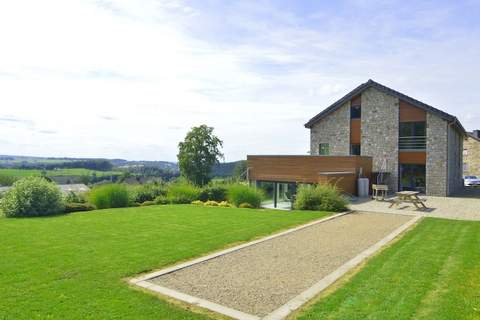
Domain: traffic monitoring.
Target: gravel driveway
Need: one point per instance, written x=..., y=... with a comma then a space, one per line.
x=260, y=278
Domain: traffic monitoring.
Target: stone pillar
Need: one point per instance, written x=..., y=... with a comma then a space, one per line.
x=380, y=125
x=436, y=168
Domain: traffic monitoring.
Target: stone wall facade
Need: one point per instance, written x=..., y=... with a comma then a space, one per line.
x=380, y=140
x=455, y=161
x=436, y=168
x=334, y=129
x=471, y=157
x=380, y=125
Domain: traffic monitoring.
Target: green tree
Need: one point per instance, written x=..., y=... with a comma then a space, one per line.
x=198, y=153
x=239, y=172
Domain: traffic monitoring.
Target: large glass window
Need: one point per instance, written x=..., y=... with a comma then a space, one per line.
x=412, y=136
x=324, y=149
x=412, y=129
x=355, y=112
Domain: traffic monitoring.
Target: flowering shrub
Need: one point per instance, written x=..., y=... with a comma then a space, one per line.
x=32, y=196
x=211, y=203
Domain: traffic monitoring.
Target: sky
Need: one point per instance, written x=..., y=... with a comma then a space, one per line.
x=128, y=78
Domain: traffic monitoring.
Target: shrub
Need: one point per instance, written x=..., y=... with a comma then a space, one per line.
x=239, y=194
x=211, y=203
x=320, y=197
x=215, y=193
x=224, y=204
x=245, y=205
x=7, y=180
x=75, y=207
x=182, y=193
x=72, y=197
x=32, y=196
x=161, y=200
x=146, y=192
x=109, y=196
x=198, y=202
x=147, y=203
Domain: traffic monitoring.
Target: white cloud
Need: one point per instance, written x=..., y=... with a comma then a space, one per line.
x=128, y=78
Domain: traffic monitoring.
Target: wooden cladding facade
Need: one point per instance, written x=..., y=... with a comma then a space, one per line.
x=414, y=157
x=355, y=131
x=356, y=101
x=340, y=170
x=409, y=113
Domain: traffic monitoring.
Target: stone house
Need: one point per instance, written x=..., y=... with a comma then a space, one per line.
x=416, y=146
x=471, y=154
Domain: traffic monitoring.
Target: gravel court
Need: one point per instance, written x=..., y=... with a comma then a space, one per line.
x=260, y=278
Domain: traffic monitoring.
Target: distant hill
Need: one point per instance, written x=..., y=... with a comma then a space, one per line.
x=11, y=161
x=166, y=165
x=224, y=169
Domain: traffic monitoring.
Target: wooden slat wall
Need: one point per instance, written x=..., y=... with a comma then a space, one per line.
x=355, y=131
x=308, y=169
x=356, y=101
x=346, y=184
x=409, y=113
x=417, y=157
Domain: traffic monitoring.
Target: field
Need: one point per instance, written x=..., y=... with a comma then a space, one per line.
x=77, y=264
x=75, y=172
x=74, y=266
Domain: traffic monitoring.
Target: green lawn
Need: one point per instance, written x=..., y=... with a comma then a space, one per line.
x=431, y=273
x=55, y=173
x=72, y=266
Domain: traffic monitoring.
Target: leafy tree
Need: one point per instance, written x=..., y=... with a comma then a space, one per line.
x=198, y=153
x=239, y=172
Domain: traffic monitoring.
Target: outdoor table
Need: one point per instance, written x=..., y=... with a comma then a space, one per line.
x=409, y=197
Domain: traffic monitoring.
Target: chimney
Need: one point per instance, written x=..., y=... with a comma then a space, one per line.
x=476, y=134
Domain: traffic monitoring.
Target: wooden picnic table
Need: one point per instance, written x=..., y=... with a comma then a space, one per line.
x=409, y=197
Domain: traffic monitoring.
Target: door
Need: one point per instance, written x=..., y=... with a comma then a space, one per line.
x=412, y=177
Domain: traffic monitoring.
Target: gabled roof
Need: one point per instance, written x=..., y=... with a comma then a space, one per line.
x=386, y=90
x=473, y=136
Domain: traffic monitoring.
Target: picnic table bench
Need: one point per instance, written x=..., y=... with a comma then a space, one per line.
x=409, y=197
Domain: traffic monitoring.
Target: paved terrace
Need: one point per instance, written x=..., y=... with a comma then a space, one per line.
x=463, y=206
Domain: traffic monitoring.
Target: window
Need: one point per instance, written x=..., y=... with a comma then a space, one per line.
x=355, y=112
x=465, y=168
x=324, y=149
x=412, y=129
x=412, y=136
x=355, y=149
x=465, y=152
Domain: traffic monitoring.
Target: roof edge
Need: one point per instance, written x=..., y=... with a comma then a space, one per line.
x=389, y=91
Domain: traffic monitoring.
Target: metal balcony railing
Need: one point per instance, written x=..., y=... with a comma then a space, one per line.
x=412, y=143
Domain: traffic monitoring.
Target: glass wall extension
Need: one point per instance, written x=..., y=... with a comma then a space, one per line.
x=279, y=195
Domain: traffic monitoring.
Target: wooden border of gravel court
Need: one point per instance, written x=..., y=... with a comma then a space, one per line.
x=285, y=310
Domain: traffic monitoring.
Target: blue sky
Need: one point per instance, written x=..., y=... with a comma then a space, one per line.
x=127, y=79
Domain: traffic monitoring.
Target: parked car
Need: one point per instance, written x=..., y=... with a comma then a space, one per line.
x=471, y=181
